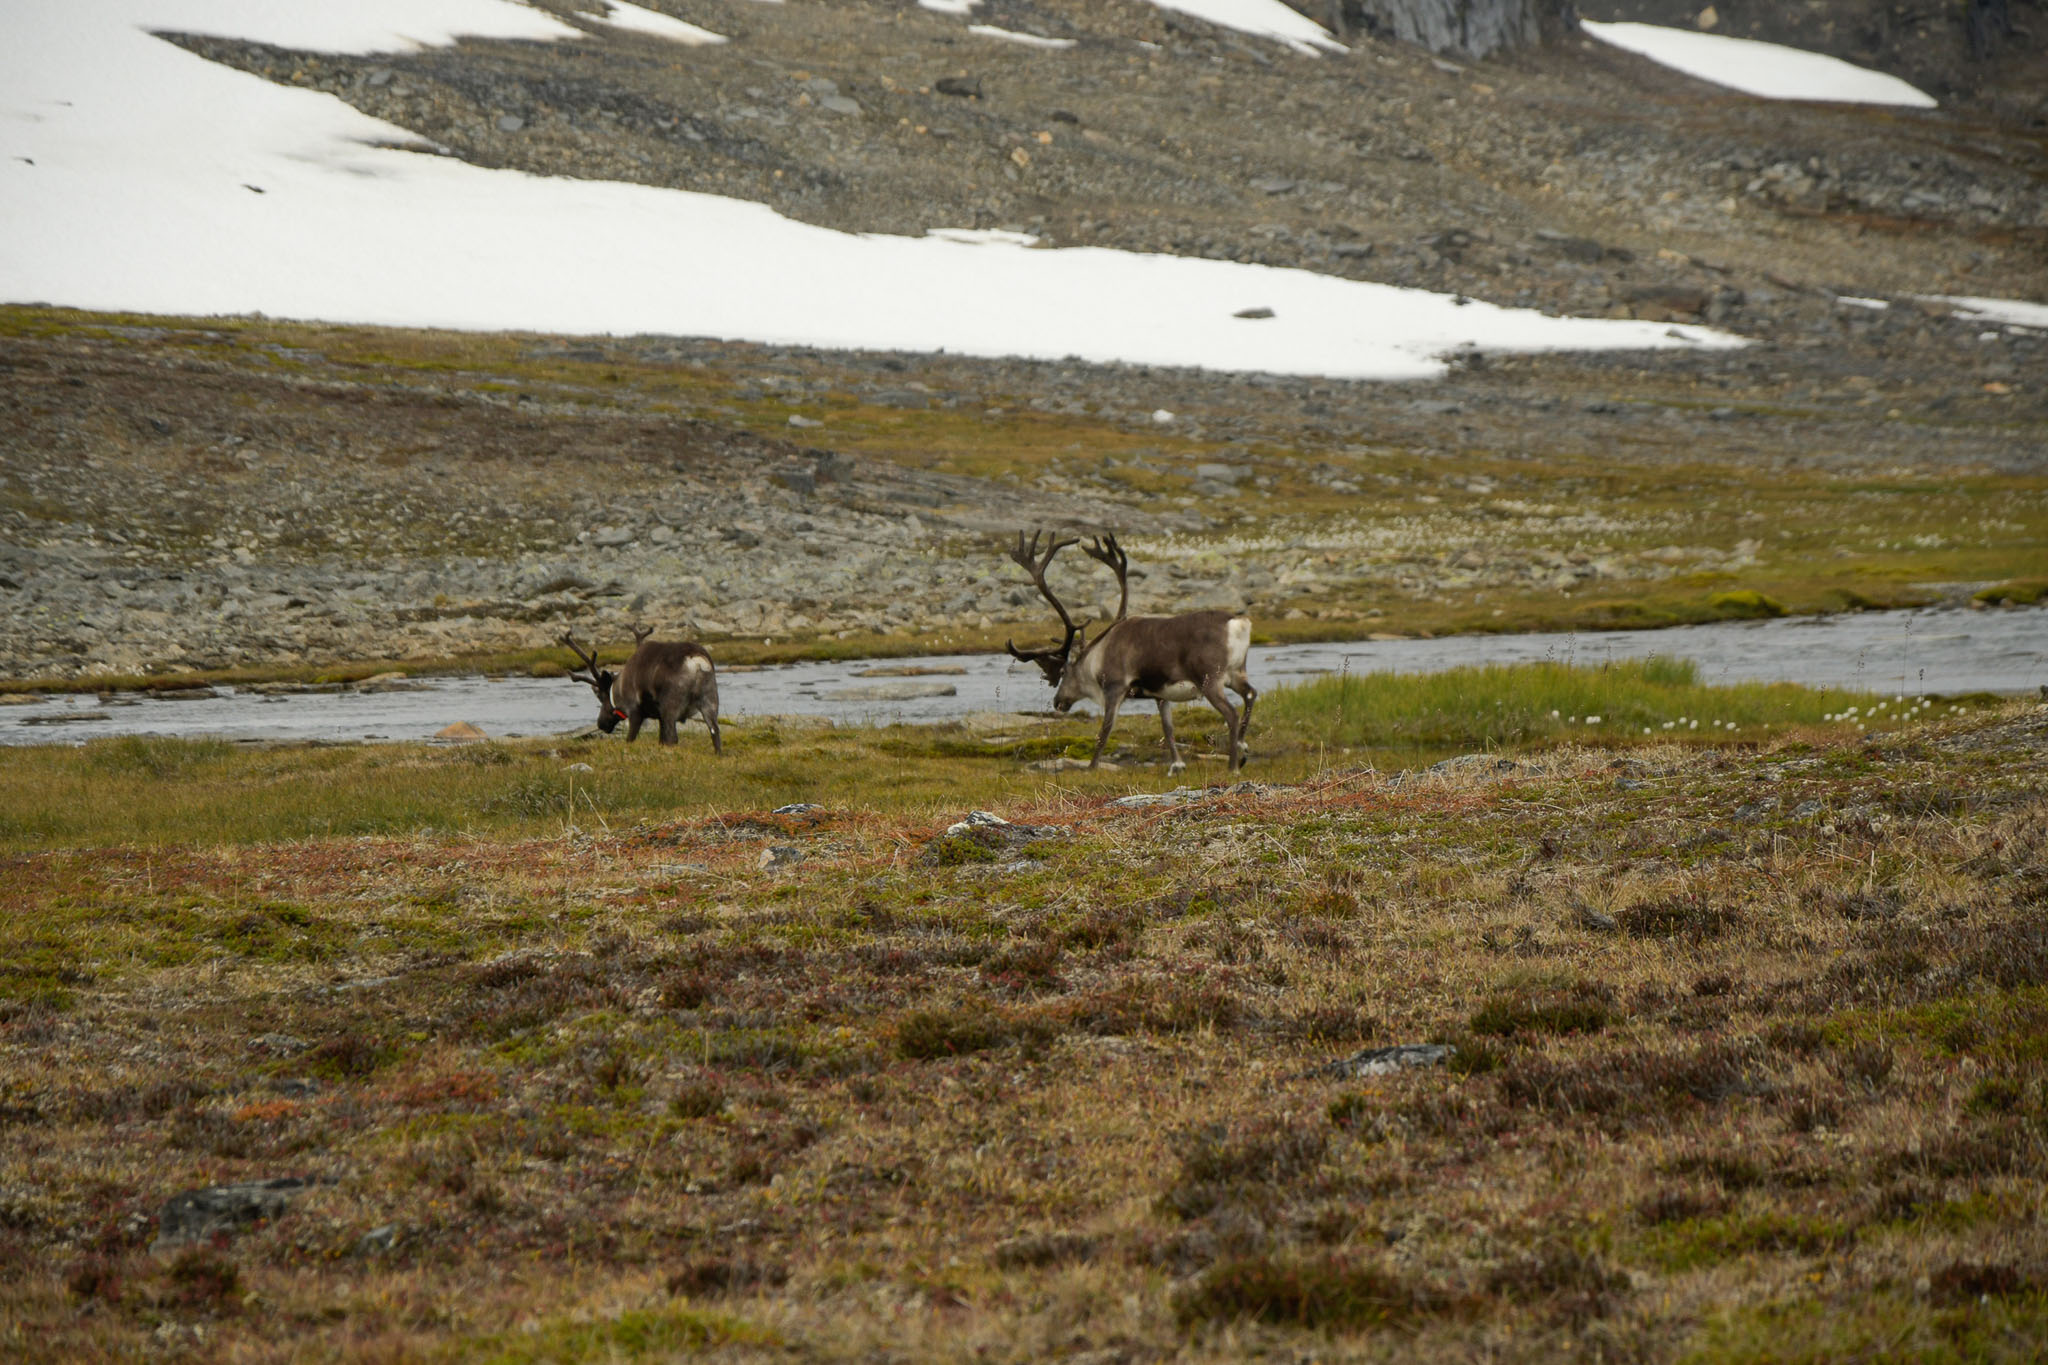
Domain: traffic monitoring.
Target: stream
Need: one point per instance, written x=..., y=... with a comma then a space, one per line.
x=1933, y=650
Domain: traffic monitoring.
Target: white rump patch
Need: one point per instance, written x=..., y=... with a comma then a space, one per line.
x=1180, y=691
x=1238, y=642
x=696, y=663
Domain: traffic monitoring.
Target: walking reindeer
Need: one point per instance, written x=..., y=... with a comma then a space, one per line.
x=665, y=681
x=1152, y=658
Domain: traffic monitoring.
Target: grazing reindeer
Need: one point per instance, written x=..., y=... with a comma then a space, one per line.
x=665, y=681
x=1160, y=658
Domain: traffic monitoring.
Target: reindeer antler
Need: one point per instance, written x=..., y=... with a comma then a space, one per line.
x=1105, y=550
x=1035, y=564
x=589, y=660
x=640, y=634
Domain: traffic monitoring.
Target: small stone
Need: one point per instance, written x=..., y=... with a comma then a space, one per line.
x=510, y=123
x=1385, y=1061
x=1597, y=921
x=377, y=1240
x=222, y=1210
x=777, y=856
x=838, y=104
x=579, y=768
x=1255, y=314
x=797, y=419
x=461, y=732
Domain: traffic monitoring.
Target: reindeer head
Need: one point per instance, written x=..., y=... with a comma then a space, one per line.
x=1051, y=662
x=600, y=680
x=1057, y=664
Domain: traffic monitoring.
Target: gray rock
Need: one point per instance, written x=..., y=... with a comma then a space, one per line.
x=198, y=1215
x=991, y=832
x=1254, y=314
x=612, y=538
x=1597, y=921
x=1178, y=796
x=838, y=104
x=1487, y=765
x=377, y=1240
x=778, y=856
x=510, y=123
x=1385, y=1061
x=797, y=808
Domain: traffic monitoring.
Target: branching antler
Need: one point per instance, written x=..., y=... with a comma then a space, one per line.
x=1104, y=549
x=1032, y=562
x=640, y=634
x=589, y=660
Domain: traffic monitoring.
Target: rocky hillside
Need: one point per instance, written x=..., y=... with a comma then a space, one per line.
x=259, y=497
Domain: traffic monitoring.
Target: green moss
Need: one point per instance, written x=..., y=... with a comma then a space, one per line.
x=1695, y=1242
x=1746, y=602
x=638, y=1334
x=1315, y=1292
x=1874, y=1326
x=2024, y=592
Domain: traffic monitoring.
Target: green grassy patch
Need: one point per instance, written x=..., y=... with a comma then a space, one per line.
x=1504, y=706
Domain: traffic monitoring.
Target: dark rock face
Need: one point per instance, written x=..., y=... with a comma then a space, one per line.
x=1466, y=28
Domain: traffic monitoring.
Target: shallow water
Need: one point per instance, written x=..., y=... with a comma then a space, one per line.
x=1904, y=652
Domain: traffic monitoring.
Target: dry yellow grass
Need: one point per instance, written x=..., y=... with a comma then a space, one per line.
x=1749, y=1067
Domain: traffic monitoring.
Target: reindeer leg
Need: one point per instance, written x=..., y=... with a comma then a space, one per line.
x=673, y=707
x=1110, y=701
x=1174, y=762
x=709, y=710
x=633, y=723
x=1213, y=690
x=1243, y=687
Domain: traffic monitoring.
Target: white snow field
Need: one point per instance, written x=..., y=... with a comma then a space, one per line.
x=1769, y=70
x=136, y=176
x=1267, y=18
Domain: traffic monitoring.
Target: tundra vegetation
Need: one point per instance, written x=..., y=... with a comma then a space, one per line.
x=585, y=1052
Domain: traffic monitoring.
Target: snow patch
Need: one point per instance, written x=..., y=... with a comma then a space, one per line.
x=1028, y=39
x=638, y=20
x=949, y=6
x=2016, y=312
x=1768, y=70
x=982, y=236
x=137, y=176
x=1266, y=18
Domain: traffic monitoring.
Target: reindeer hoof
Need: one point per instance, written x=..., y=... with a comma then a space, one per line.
x=1174, y=769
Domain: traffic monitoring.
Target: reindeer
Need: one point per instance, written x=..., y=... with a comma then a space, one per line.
x=1160, y=658
x=665, y=680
